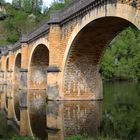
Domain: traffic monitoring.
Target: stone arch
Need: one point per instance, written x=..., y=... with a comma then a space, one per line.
x=86, y=46
x=16, y=77
x=17, y=67
x=7, y=70
x=38, y=64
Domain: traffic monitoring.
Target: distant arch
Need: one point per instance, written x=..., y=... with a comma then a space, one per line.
x=38, y=64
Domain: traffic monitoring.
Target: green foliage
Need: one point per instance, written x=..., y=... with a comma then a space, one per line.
x=2, y=2
x=5, y=131
x=58, y=5
x=79, y=137
x=122, y=57
x=23, y=16
x=121, y=111
x=29, y=6
x=22, y=138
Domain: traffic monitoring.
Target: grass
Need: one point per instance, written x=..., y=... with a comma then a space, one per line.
x=79, y=137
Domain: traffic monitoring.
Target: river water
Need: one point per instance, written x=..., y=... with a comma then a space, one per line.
x=117, y=116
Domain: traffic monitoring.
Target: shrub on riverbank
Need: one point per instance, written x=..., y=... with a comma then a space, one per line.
x=5, y=131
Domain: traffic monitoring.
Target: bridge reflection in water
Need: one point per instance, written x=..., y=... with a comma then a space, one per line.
x=50, y=120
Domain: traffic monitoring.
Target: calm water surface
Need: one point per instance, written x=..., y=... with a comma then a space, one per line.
x=117, y=116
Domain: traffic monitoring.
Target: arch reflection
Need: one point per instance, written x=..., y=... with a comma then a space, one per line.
x=66, y=119
x=37, y=112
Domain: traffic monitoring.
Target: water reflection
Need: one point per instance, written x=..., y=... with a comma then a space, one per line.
x=57, y=120
x=37, y=112
x=51, y=120
x=16, y=104
x=72, y=118
x=121, y=110
x=6, y=97
x=2, y=97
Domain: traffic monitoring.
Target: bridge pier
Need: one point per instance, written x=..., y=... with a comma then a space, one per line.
x=24, y=123
x=3, y=69
x=23, y=78
x=24, y=113
x=10, y=80
x=1, y=77
x=10, y=113
x=2, y=98
x=53, y=83
x=54, y=119
x=24, y=66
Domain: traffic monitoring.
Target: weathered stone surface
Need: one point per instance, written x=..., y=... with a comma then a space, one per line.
x=23, y=78
x=23, y=98
x=52, y=92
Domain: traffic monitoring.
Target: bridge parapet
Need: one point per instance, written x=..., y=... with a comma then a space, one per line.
x=79, y=7
x=134, y=3
x=75, y=9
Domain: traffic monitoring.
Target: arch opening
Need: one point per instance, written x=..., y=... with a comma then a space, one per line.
x=17, y=70
x=82, y=78
x=16, y=86
x=7, y=69
x=38, y=68
x=7, y=81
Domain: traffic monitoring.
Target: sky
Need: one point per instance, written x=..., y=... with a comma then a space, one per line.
x=46, y=2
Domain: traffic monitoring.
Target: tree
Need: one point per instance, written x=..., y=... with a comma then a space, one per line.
x=17, y=4
x=2, y=2
x=121, y=60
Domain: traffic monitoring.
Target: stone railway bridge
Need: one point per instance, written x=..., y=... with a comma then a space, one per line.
x=63, y=55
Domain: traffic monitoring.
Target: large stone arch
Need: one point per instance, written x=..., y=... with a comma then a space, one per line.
x=38, y=64
x=88, y=41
